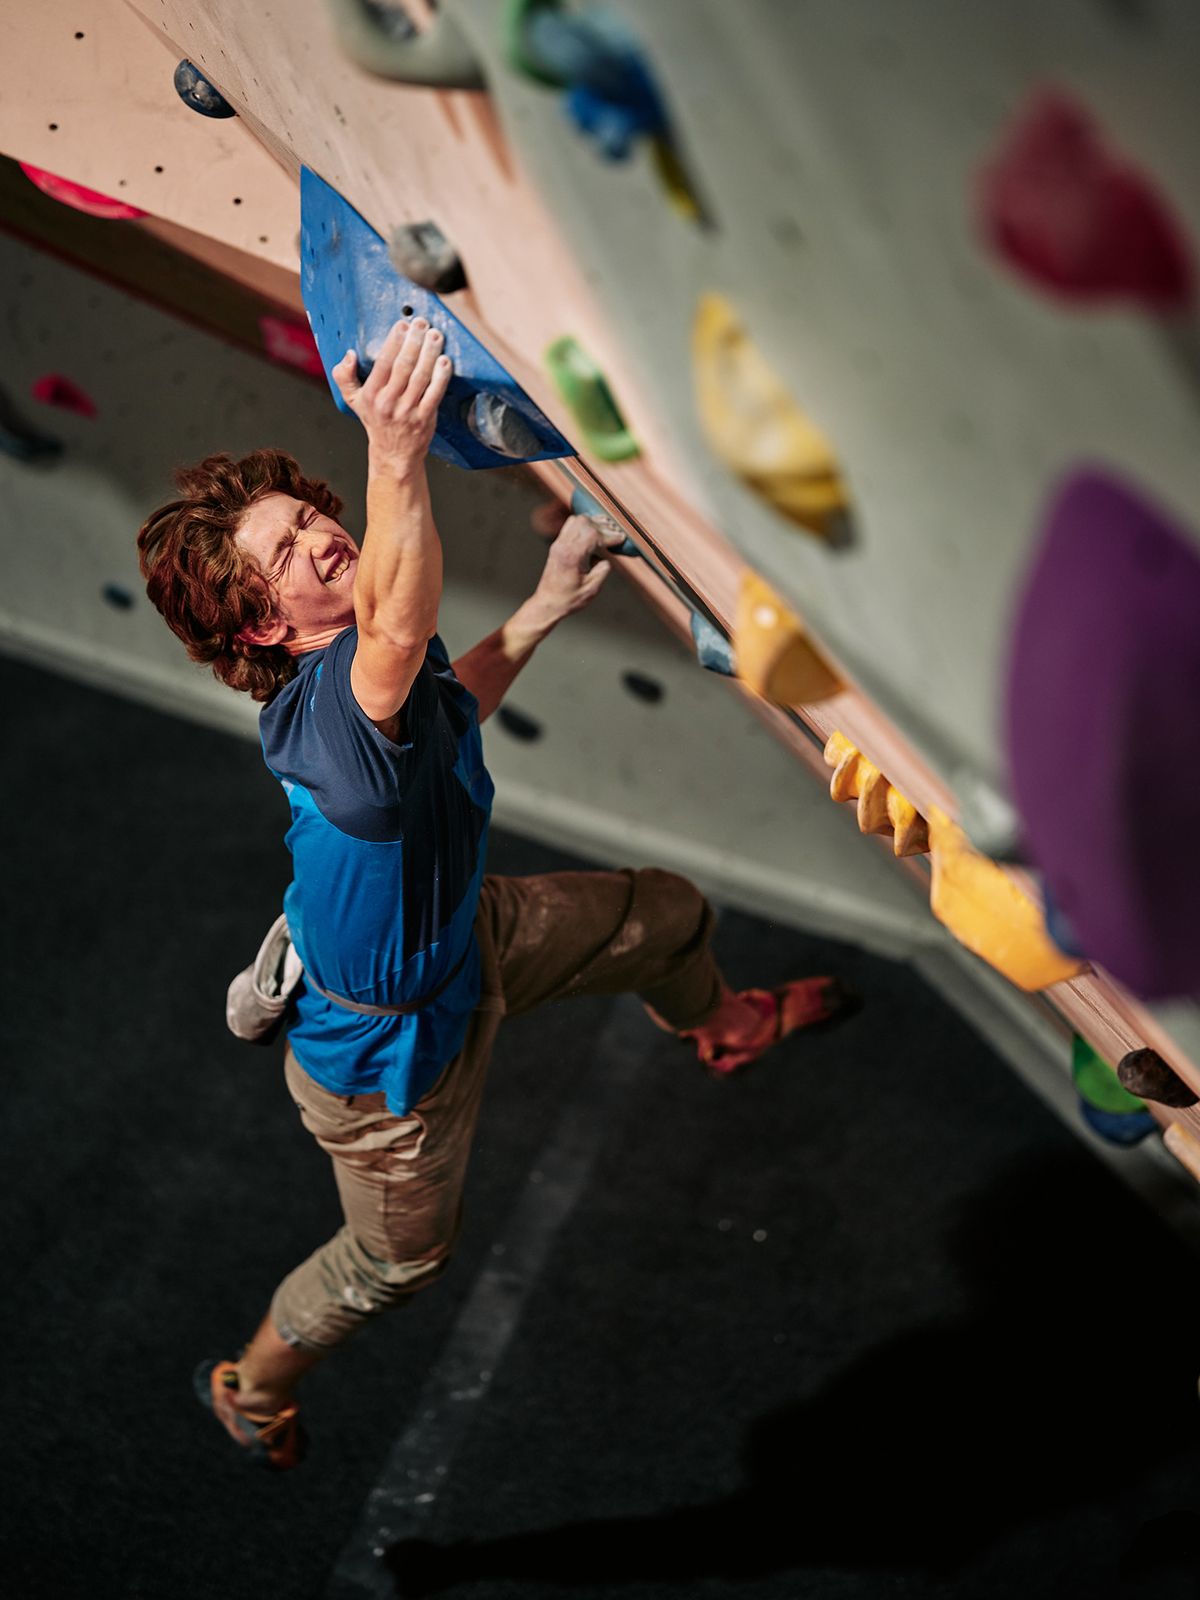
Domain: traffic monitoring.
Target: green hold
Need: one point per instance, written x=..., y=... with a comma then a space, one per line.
x=519, y=52
x=1097, y=1083
x=581, y=384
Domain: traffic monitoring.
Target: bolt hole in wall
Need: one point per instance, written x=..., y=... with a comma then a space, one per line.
x=643, y=688
x=517, y=724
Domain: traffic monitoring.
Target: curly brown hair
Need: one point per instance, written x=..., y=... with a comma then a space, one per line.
x=205, y=586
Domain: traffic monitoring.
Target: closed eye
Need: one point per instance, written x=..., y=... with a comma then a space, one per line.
x=284, y=550
x=283, y=556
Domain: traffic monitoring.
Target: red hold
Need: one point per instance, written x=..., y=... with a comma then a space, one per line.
x=55, y=390
x=292, y=344
x=77, y=197
x=1073, y=215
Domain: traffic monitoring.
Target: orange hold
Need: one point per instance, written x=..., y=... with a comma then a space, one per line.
x=881, y=809
x=774, y=656
x=984, y=909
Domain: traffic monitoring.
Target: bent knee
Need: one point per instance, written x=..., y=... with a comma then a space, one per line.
x=377, y=1283
x=674, y=906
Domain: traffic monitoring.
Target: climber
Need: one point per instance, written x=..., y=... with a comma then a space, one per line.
x=411, y=953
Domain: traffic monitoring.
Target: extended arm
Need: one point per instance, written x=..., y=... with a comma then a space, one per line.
x=572, y=579
x=398, y=585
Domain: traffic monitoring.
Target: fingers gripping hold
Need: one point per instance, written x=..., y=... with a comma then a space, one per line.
x=397, y=402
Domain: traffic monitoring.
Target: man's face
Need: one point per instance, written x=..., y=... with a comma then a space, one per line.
x=310, y=563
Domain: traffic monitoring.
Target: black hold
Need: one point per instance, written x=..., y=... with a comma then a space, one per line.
x=1145, y=1074
x=643, y=688
x=500, y=426
x=194, y=89
x=20, y=440
x=118, y=596
x=421, y=251
x=519, y=725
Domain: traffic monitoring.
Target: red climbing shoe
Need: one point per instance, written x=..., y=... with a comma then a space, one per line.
x=276, y=1441
x=800, y=1004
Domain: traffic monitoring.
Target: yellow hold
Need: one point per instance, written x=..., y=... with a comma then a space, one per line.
x=881, y=809
x=774, y=657
x=985, y=911
x=754, y=425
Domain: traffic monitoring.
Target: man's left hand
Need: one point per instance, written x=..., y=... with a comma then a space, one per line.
x=576, y=567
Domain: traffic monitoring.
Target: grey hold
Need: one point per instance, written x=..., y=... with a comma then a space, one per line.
x=501, y=427
x=421, y=251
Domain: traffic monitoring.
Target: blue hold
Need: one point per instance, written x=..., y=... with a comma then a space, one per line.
x=585, y=505
x=611, y=93
x=614, y=128
x=194, y=89
x=713, y=650
x=353, y=294
x=1118, y=1127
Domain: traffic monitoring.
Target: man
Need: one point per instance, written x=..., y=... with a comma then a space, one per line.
x=411, y=954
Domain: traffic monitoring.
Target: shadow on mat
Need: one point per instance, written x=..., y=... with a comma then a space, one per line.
x=1071, y=1379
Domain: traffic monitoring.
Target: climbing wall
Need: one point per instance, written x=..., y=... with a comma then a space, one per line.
x=567, y=749
x=878, y=342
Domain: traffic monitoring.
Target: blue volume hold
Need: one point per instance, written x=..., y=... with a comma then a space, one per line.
x=353, y=294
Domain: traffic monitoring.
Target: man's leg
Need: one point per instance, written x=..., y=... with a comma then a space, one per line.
x=400, y=1179
x=649, y=932
x=400, y=1182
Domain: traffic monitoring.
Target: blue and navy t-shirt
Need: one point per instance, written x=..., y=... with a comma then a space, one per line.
x=388, y=844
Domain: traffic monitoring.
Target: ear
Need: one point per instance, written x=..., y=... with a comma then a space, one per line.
x=273, y=631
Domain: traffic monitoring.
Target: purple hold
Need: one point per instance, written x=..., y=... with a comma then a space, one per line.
x=1102, y=727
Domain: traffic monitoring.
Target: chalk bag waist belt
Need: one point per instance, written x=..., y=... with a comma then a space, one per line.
x=391, y=1011
x=260, y=997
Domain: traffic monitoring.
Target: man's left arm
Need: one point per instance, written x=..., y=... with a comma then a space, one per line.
x=574, y=574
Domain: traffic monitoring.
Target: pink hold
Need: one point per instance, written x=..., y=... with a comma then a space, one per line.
x=55, y=390
x=79, y=198
x=1074, y=216
x=291, y=343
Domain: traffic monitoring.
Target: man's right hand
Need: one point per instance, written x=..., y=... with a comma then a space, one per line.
x=398, y=401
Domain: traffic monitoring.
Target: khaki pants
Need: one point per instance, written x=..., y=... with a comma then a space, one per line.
x=401, y=1178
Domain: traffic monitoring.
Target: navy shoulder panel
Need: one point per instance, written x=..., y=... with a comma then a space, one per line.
x=314, y=733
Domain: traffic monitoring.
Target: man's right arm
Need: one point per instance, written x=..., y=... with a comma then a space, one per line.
x=398, y=585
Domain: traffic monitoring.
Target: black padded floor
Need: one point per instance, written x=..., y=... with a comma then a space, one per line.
x=864, y=1322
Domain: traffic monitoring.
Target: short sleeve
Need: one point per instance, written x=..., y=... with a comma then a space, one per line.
x=358, y=775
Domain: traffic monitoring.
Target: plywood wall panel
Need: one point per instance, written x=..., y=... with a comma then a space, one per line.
x=86, y=92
